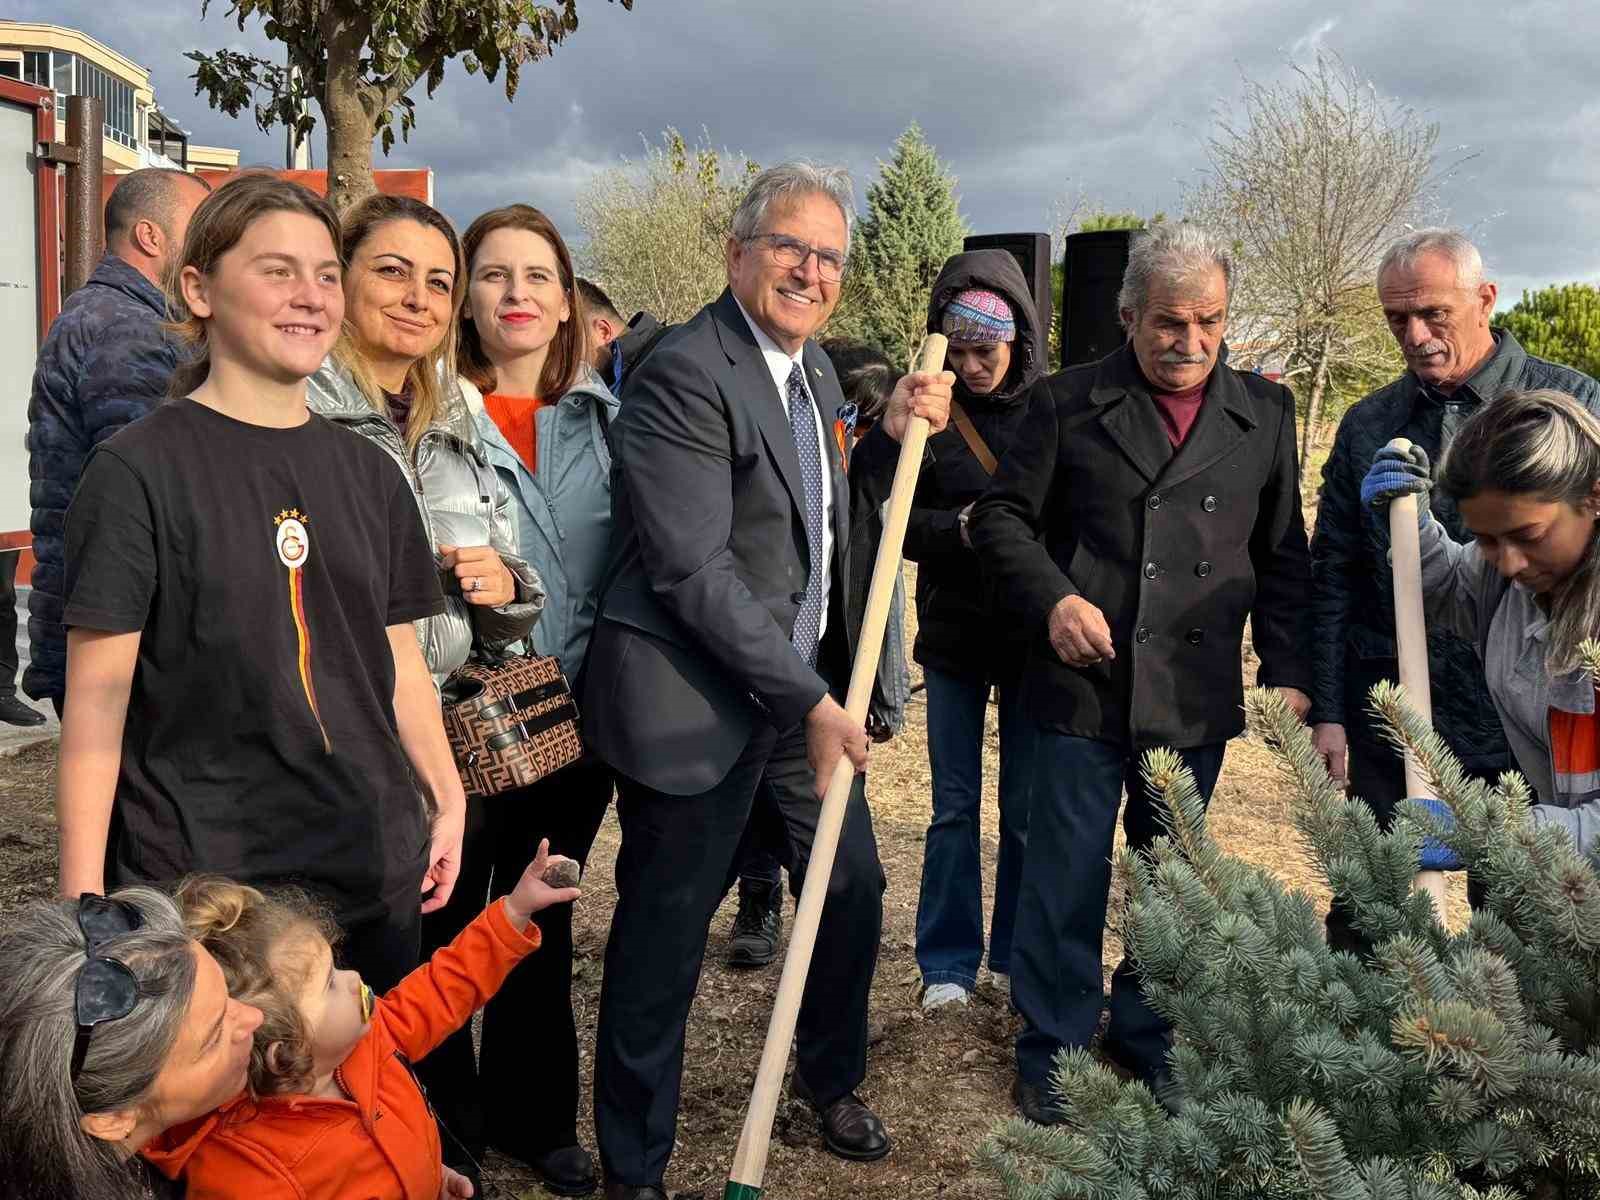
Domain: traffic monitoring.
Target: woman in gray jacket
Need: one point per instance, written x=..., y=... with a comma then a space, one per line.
x=543, y=417
x=1524, y=471
x=392, y=380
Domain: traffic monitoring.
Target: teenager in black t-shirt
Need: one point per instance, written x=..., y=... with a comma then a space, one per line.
x=247, y=692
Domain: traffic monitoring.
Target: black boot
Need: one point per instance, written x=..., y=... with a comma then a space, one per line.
x=758, y=925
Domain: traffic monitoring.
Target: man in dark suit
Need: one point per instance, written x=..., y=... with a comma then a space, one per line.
x=1149, y=503
x=708, y=682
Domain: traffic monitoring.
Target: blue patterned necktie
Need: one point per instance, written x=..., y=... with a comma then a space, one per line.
x=808, y=623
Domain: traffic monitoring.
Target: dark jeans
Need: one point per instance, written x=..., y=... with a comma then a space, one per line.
x=520, y=1093
x=1377, y=775
x=676, y=862
x=9, y=659
x=1056, y=979
x=950, y=905
x=384, y=950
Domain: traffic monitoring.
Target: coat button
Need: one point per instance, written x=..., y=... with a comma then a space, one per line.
x=1154, y=501
x=1143, y=635
x=1194, y=636
x=1202, y=569
x=1151, y=570
x=1209, y=504
x=797, y=598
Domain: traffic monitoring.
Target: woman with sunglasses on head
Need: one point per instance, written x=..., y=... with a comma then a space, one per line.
x=391, y=379
x=543, y=416
x=1524, y=472
x=242, y=577
x=114, y=1026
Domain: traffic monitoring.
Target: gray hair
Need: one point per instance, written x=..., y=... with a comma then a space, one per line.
x=1178, y=252
x=790, y=181
x=43, y=1149
x=1402, y=255
x=1540, y=443
x=150, y=194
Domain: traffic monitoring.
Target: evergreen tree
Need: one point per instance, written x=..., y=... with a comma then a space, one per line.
x=1448, y=1063
x=913, y=224
x=1558, y=323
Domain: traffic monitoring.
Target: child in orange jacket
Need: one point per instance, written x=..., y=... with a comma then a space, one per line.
x=333, y=1109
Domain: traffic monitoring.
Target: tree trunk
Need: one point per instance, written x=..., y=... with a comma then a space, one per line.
x=1319, y=386
x=347, y=112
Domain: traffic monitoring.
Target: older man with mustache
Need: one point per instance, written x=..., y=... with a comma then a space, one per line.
x=1438, y=305
x=1148, y=504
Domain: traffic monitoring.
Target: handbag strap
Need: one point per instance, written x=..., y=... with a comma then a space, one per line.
x=974, y=440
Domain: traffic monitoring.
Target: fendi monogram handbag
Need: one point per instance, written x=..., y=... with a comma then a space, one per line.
x=511, y=721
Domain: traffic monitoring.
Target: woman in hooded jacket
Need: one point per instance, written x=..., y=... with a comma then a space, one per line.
x=983, y=305
x=544, y=419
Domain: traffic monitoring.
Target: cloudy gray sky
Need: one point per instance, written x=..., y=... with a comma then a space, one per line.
x=1029, y=101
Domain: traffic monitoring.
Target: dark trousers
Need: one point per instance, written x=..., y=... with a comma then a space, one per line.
x=9, y=659
x=385, y=949
x=1056, y=976
x=520, y=1093
x=676, y=862
x=1376, y=774
x=950, y=902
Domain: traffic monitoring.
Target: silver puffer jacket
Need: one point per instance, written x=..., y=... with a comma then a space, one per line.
x=463, y=503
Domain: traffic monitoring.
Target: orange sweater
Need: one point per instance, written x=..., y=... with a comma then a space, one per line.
x=379, y=1143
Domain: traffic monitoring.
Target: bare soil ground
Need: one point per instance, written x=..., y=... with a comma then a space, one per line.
x=939, y=1083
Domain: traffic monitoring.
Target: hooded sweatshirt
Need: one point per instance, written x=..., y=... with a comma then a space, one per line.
x=956, y=633
x=380, y=1141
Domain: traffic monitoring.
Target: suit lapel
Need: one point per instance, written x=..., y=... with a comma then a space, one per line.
x=828, y=399
x=1219, y=428
x=756, y=389
x=1129, y=416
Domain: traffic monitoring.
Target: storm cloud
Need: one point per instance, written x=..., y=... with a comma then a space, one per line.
x=1028, y=102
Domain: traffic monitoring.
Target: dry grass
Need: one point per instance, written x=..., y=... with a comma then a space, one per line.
x=939, y=1083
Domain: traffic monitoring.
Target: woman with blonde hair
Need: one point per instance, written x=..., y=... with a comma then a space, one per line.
x=1524, y=471
x=392, y=380
x=544, y=419
x=248, y=696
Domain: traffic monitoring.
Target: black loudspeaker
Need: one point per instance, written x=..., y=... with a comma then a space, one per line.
x=1032, y=252
x=1094, y=263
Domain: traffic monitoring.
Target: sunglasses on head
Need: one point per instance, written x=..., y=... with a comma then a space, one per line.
x=106, y=990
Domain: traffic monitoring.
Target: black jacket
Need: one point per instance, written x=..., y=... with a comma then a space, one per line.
x=105, y=362
x=709, y=559
x=956, y=632
x=1176, y=549
x=1353, y=586
x=633, y=347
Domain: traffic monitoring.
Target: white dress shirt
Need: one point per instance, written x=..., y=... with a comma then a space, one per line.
x=780, y=364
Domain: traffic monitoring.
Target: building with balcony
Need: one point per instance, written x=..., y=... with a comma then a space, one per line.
x=137, y=132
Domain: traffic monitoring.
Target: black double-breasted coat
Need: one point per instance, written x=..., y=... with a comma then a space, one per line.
x=1176, y=548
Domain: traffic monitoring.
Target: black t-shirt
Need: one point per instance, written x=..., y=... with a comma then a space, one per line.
x=262, y=567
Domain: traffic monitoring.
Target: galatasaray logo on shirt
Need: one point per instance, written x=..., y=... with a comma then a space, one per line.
x=294, y=551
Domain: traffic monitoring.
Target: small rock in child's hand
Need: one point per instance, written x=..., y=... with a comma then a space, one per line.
x=563, y=874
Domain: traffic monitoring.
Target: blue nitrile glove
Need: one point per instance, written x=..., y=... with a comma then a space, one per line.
x=1394, y=474
x=1435, y=855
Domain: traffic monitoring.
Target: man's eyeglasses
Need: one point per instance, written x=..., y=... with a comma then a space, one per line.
x=792, y=252
x=107, y=989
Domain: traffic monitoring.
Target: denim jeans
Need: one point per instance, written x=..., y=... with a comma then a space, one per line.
x=1061, y=913
x=950, y=906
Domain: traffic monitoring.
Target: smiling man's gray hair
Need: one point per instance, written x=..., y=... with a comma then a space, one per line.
x=790, y=181
x=1176, y=252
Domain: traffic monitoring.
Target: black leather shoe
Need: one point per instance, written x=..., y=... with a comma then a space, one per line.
x=567, y=1171
x=1035, y=1103
x=758, y=924
x=849, y=1128
x=15, y=712
x=623, y=1191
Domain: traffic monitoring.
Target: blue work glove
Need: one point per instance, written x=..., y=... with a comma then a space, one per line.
x=1394, y=474
x=1435, y=855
